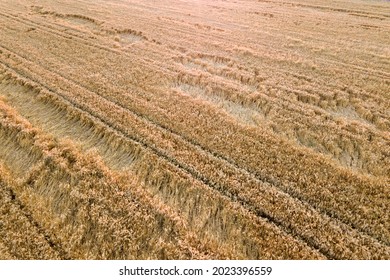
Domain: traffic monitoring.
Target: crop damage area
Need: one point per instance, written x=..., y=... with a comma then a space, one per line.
x=194, y=129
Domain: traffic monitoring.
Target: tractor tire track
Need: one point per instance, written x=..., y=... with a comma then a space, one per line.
x=261, y=178
x=192, y=172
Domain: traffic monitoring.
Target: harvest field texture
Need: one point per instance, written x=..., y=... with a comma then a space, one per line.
x=194, y=129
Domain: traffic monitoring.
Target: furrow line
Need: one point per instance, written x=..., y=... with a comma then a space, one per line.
x=86, y=42
x=189, y=170
x=82, y=40
x=84, y=203
x=212, y=208
x=55, y=245
x=193, y=173
x=261, y=178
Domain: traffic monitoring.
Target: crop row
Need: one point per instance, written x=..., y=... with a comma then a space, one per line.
x=337, y=211
x=286, y=217
x=86, y=211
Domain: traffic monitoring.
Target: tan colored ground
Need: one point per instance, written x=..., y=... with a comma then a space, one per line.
x=182, y=129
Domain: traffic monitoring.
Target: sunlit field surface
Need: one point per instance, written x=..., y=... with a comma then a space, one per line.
x=179, y=129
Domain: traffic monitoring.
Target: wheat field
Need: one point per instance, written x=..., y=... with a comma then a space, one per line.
x=194, y=129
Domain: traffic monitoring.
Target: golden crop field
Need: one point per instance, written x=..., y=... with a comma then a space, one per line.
x=194, y=129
